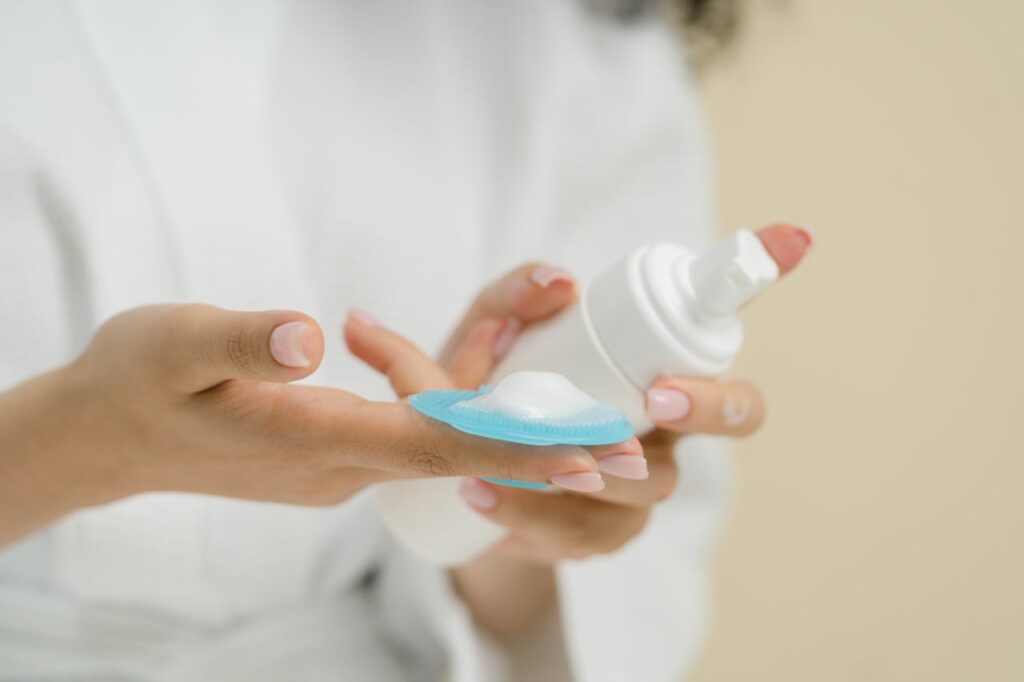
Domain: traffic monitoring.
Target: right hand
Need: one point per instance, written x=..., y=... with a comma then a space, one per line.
x=196, y=398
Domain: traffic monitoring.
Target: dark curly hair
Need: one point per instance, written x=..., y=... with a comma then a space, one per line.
x=707, y=24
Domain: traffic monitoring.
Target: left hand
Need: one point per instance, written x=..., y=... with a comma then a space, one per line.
x=544, y=529
x=637, y=474
x=510, y=585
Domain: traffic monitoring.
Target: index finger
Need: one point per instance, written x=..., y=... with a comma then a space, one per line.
x=395, y=438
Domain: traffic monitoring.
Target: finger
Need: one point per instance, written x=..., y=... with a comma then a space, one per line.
x=395, y=438
x=787, y=244
x=408, y=369
x=197, y=346
x=659, y=484
x=731, y=408
x=572, y=525
x=621, y=460
x=527, y=294
x=473, y=361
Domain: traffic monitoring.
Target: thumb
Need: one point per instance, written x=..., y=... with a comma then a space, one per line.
x=199, y=346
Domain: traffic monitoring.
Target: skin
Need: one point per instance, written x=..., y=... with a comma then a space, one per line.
x=195, y=398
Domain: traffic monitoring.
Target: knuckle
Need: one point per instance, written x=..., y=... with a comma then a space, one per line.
x=619, y=532
x=577, y=552
x=179, y=321
x=631, y=528
x=174, y=337
x=243, y=348
x=576, y=529
x=427, y=458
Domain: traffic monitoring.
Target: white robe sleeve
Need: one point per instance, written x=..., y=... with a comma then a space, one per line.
x=428, y=624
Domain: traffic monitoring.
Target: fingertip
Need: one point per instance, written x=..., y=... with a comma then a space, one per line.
x=667, y=403
x=361, y=318
x=313, y=344
x=787, y=244
x=545, y=290
x=552, y=277
x=297, y=344
x=358, y=323
x=579, y=481
x=625, y=459
x=631, y=446
x=478, y=494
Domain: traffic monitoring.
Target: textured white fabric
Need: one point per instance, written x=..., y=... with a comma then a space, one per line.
x=319, y=155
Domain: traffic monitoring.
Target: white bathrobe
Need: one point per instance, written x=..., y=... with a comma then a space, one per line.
x=388, y=154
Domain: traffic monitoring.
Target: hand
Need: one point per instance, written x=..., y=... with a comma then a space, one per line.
x=196, y=398
x=497, y=587
x=549, y=528
x=508, y=586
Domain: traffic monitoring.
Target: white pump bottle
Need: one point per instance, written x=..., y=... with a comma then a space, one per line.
x=661, y=311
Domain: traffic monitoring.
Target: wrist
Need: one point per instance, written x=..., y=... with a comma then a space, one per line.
x=506, y=595
x=50, y=462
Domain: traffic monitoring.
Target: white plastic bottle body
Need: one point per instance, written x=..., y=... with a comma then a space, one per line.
x=428, y=516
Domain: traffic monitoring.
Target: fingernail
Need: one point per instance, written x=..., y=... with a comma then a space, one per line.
x=624, y=466
x=581, y=482
x=546, y=275
x=667, y=404
x=362, y=317
x=508, y=334
x=808, y=236
x=286, y=344
x=478, y=494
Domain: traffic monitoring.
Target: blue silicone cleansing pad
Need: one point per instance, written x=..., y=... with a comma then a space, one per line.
x=598, y=424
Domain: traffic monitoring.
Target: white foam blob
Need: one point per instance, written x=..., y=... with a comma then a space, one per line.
x=534, y=395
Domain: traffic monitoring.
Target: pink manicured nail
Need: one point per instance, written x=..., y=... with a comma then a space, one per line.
x=286, y=344
x=624, y=466
x=808, y=235
x=582, y=482
x=508, y=334
x=362, y=317
x=546, y=275
x=667, y=404
x=478, y=494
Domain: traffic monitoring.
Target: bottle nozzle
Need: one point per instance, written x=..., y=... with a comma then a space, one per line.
x=732, y=272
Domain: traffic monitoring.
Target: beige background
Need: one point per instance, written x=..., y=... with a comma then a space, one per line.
x=877, y=526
